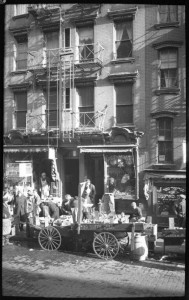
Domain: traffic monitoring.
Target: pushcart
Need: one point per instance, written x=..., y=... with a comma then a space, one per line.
x=107, y=240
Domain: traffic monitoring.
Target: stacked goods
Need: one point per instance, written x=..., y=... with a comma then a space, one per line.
x=177, y=232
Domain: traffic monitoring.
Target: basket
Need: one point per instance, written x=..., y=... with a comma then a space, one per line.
x=6, y=226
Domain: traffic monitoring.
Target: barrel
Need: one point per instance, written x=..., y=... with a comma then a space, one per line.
x=140, y=251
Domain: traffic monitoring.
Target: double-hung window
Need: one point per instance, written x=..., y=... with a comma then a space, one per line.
x=86, y=105
x=52, y=47
x=168, y=67
x=124, y=39
x=124, y=103
x=168, y=14
x=21, y=53
x=20, y=109
x=165, y=140
x=52, y=109
x=86, y=43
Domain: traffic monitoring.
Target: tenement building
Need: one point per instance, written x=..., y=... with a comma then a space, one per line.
x=97, y=91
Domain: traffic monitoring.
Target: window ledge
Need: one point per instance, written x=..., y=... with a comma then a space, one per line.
x=26, y=15
x=167, y=91
x=164, y=166
x=166, y=25
x=123, y=60
x=127, y=125
x=24, y=71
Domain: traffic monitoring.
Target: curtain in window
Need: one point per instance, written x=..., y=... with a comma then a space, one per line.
x=21, y=9
x=173, y=13
x=124, y=39
x=86, y=37
x=168, y=59
x=86, y=96
x=86, y=106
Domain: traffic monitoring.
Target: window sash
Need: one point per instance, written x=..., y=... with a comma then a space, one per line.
x=168, y=13
x=52, y=118
x=86, y=117
x=165, y=130
x=86, y=96
x=21, y=119
x=124, y=38
x=67, y=102
x=165, y=151
x=22, y=56
x=124, y=114
x=168, y=78
x=67, y=41
x=21, y=101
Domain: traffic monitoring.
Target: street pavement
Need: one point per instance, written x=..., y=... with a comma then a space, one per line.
x=29, y=271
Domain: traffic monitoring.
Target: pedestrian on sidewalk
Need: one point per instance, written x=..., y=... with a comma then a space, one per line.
x=180, y=210
x=20, y=215
x=7, y=219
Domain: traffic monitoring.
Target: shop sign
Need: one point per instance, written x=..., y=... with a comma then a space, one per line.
x=25, y=169
x=12, y=170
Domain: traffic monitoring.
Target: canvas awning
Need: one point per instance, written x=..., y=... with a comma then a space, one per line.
x=27, y=149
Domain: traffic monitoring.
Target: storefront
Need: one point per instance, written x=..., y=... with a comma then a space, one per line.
x=162, y=190
x=23, y=166
x=119, y=173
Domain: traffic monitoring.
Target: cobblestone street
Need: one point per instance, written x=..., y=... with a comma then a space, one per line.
x=30, y=271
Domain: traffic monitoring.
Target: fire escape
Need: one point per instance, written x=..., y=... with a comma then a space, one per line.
x=60, y=68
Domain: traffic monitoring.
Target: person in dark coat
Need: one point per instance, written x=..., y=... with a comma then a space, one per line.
x=66, y=205
x=20, y=210
x=180, y=210
x=53, y=209
x=136, y=214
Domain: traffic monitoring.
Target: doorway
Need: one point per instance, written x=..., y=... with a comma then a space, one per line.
x=71, y=176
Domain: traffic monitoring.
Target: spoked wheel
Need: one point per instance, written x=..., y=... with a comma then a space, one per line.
x=49, y=238
x=105, y=245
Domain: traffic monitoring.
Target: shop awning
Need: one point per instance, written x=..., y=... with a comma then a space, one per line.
x=159, y=175
x=28, y=149
x=109, y=149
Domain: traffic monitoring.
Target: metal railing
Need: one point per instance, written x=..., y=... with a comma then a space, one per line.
x=71, y=122
x=82, y=53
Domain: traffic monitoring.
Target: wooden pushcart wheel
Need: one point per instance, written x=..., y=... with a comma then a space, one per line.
x=49, y=238
x=105, y=245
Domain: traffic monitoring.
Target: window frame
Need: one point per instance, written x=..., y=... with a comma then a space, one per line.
x=87, y=108
x=162, y=139
x=122, y=41
x=168, y=12
x=21, y=40
x=160, y=87
x=116, y=85
x=49, y=110
x=65, y=30
x=17, y=111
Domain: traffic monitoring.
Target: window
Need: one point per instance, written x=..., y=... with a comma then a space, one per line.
x=86, y=43
x=21, y=53
x=52, y=46
x=67, y=37
x=168, y=13
x=20, y=109
x=168, y=68
x=124, y=103
x=52, y=109
x=67, y=103
x=86, y=105
x=165, y=140
x=20, y=9
x=124, y=38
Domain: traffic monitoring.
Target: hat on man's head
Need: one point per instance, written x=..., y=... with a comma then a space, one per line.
x=183, y=196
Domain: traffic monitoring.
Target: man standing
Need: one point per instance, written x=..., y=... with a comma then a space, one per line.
x=6, y=218
x=88, y=196
x=136, y=214
x=180, y=211
x=44, y=186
